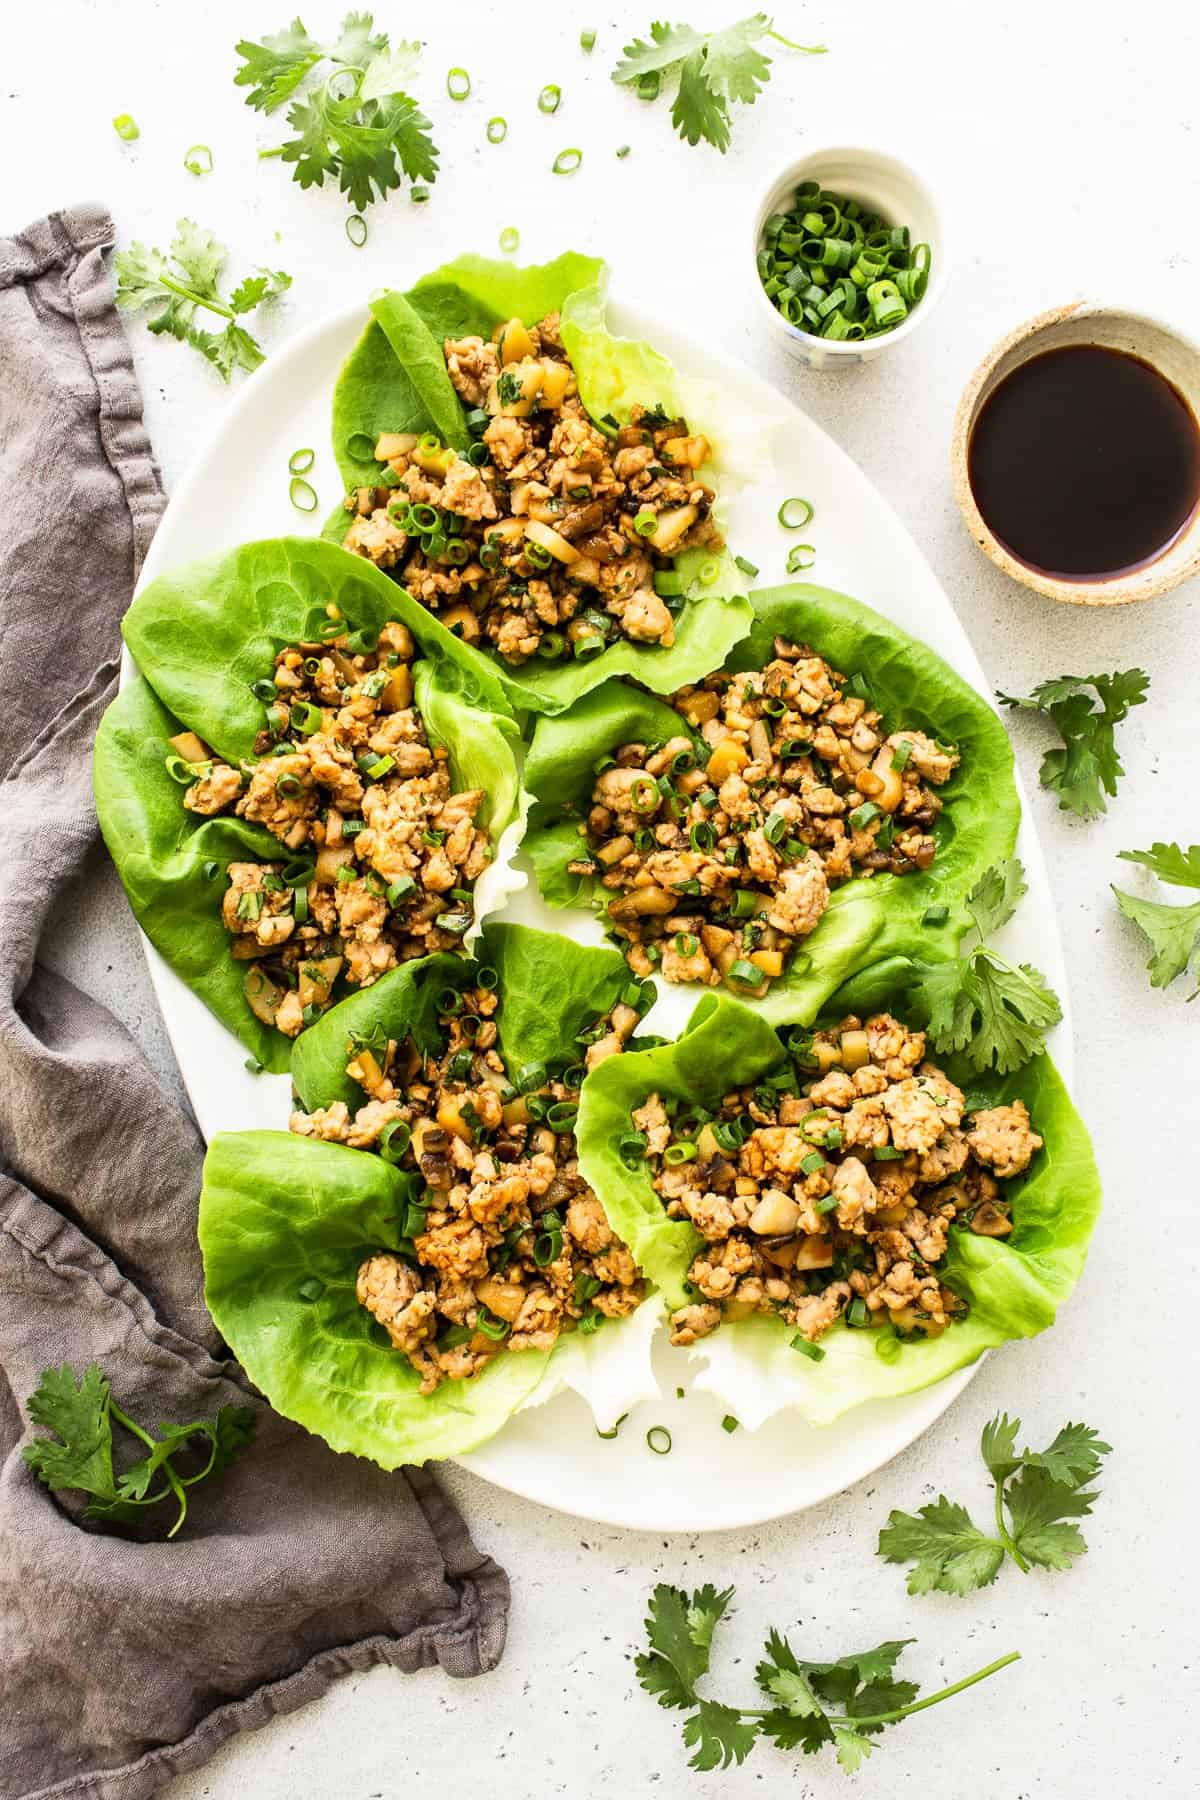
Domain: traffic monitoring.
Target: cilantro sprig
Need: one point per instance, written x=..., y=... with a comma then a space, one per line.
x=357, y=124
x=712, y=68
x=843, y=1704
x=995, y=1012
x=81, y=1454
x=1039, y=1494
x=186, y=281
x=1086, y=709
x=1173, y=931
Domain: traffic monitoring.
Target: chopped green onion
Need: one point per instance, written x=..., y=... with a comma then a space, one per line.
x=729, y=1423
x=550, y=98
x=659, y=1440
x=510, y=237
x=902, y=754
x=775, y=827
x=562, y=1115
x=198, y=160
x=667, y=585
x=491, y=1326
x=813, y=1163
x=587, y=40
x=301, y=461
x=746, y=566
x=394, y=1140
x=126, y=127
x=646, y=522
x=862, y=815
x=856, y=1313
x=684, y=1151
x=887, y=1346
x=746, y=974
x=648, y=85
x=306, y=718
x=813, y=1352
x=497, y=129
x=566, y=162
x=458, y=84
x=615, y=1428
x=418, y=195
x=623, y=151
x=302, y=494
x=800, y=557
x=356, y=230
x=631, y=1148
x=935, y=915
x=828, y=1204
x=708, y=571
x=533, y=1075
x=795, y=514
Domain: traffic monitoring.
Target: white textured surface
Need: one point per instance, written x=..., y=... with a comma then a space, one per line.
x=1064, y=147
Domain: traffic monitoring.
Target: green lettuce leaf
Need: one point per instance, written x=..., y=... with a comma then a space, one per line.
x=161, y=853
x=201, y=636
x=285, y=1222
x=395, y=380
x=1013, y=1285
x=868, y=920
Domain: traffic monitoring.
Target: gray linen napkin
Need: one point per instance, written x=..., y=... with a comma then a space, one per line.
x=123, y=1663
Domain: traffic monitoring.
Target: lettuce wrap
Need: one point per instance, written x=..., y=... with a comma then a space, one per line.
x=395, y=380
x=285, y=1222
x=1013, y=1285
x=868, y=919
x=200, y=636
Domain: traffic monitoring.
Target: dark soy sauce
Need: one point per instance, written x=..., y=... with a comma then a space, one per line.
x=1085, y=462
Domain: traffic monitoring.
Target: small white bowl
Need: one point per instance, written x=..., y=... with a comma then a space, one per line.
x=877, y=180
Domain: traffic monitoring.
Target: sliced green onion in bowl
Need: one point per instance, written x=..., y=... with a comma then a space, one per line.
x=795, y=513
x=198, y=160
x=550, y=98
x=356, y=230
x=510, y=238
x=302, y=495
x=800, y=557
x=567, y=161
x=458, y=84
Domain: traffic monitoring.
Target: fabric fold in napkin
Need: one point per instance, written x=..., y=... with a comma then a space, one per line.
x=124, y=1662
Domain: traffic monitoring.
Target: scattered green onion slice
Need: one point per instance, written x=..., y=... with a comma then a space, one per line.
x=418, y=195
x=623, y=150
x=458, y=84
x=301, y=461
x=708, y=571
x=550, y=98
x=497, y=129
x=567, y=161
x=746, y=566
x=813, y=1352
x=394, y=1140
x=800, y=557
x=659, y=1440
x=729, y=1423
x=615, y=1428
x=795, y=513
x=198, y=160
x=126, y=127
x=302, y=494
x=587, y=40
x=356, y=230
x=648, y=85
x=935, y=915
x=510, y=237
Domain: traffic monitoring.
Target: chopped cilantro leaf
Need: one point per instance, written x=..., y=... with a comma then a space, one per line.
x=1087, y=766
x=1038, y=1496
x=712, y=70
x=186, y=280
x=1173, y=931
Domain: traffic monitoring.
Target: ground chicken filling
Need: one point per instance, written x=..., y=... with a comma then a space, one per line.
x=508, y=1247
x=382, y=854
x=833, y=1197
x=553, y=535
x=720, y=849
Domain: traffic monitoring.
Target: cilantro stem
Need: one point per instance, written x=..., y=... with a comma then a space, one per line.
x=226, y=312
x=130, y=1424
x=805, y=49
x=1003, y=1532
x=946, y=1693
x=263, y=154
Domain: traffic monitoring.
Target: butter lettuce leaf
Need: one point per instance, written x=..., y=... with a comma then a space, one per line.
x=1013, y=1285
x=868, y=920
x=395, y=380
x=201, y=635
